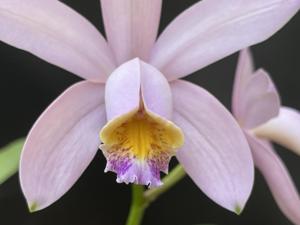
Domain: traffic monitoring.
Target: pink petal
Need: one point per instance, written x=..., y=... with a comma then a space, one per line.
x=277, y=177
x=123, y=88
x=215, y=155
x=284, y=129
x=255, y=99
x=258, y=102
x=131, y=27
x=244, y=71
x=54, y=32
x=213, y=29
x=61, y=144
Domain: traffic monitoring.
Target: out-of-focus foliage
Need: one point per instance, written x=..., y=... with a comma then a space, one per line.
x=9, y=159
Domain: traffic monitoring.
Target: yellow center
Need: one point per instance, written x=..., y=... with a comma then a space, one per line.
x=141, y=134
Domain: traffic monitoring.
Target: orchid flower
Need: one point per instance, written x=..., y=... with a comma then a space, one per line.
x=132, y=95
x=256, y=106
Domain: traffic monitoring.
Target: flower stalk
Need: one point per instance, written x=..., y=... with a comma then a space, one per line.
x=138, y=206
x=169, y=181
x=142, y=199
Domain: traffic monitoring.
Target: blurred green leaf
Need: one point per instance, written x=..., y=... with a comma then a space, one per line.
x=9, y=159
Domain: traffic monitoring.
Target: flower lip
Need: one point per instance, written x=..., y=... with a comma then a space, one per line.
x=139, y=139
x=139, y=145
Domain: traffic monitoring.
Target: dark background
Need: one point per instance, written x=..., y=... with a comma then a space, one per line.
x=29, y=84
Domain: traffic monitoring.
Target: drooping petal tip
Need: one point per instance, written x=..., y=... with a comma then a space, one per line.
x=33, y=207
x=238, y=209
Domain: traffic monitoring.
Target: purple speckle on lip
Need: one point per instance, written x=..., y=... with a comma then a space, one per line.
x=129, y=169
x=119, y=166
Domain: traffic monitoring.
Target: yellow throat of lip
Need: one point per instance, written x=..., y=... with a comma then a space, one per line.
x=142, y=135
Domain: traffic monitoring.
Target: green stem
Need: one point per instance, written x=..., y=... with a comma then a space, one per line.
x=174, y=176
x=138, y=206
x=141, y=200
